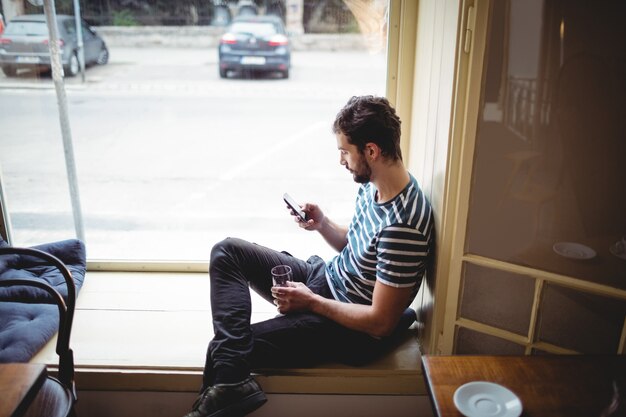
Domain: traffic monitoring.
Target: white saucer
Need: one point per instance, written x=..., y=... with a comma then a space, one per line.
x=574, y=250
x=486, y=399
x=615, y=250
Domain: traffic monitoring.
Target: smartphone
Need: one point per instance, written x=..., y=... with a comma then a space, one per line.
x=295, y=207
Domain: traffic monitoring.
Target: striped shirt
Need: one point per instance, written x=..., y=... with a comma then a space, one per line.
x=388, y=242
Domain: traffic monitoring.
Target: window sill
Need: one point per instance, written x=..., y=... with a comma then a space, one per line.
x=148, y=331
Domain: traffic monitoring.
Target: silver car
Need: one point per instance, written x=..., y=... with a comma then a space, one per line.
x=24, y=44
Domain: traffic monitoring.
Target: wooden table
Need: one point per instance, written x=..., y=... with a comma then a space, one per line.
x=554, y=385
x=19, y=383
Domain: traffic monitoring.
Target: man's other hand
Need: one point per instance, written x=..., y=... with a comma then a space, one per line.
x=294, y=297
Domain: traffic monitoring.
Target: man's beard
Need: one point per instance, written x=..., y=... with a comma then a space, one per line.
x=362, y=173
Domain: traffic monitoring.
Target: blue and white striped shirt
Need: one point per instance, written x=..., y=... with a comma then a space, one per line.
x=388, y=242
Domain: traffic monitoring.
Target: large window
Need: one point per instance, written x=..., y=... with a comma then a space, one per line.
x=172, y=154
x=548, y=179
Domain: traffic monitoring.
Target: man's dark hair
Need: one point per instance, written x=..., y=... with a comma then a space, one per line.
x=366, y=119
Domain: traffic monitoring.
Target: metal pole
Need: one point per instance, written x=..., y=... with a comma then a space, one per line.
x=57, y=76
x=79, y=39
x=5, y=219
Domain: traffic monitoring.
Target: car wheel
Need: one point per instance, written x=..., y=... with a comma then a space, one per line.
x=9, y=70
x=286, y=74
x=223, y=73
x=103, y=56
x=73, y=66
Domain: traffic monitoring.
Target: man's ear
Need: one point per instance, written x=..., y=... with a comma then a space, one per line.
x=372, y=150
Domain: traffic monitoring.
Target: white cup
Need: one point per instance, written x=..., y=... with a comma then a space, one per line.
x=281, y=274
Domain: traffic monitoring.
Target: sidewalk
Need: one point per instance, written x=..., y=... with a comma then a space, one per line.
x=208, y=37
x=193, y=72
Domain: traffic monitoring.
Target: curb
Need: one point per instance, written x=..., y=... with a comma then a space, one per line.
x=208, y=36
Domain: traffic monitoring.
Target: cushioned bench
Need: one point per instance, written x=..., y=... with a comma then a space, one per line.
x=28, y=317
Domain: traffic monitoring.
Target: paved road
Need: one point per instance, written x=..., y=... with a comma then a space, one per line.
x=194, y=71
x=172, y=158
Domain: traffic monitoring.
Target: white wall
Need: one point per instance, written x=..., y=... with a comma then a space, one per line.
x=431, y=115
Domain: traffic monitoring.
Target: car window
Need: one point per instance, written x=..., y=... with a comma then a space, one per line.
x=261, y=29
x=70, y=27
x=87, y=32
x=27, y=28
x=86, y=27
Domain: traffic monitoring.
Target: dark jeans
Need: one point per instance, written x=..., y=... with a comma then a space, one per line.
x=291, y=340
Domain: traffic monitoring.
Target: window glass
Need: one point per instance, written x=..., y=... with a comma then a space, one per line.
x=548, y=182
x=70, y=27
x=27, y=29
x=263, y=29
x=174, y=152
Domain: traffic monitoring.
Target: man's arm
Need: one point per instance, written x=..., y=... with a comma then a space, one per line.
x=378, y=319
x=335, y=235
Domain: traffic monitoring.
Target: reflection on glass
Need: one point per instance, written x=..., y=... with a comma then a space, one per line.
x=593, y=326
x=549, y=184
x=170, y=157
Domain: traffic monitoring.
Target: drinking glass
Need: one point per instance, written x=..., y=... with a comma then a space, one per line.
x=280, y=275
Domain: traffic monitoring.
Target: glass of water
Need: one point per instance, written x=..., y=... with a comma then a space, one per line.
x=280, y=275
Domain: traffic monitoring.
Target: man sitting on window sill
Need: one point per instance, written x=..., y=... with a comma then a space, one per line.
x=336, y=311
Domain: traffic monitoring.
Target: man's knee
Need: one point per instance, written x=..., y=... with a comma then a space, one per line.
x=227, y=249
x=227, y=245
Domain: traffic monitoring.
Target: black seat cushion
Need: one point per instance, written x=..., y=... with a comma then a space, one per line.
x=370, y=352
x=29, y=316
x=71, y=252
x=25, y=329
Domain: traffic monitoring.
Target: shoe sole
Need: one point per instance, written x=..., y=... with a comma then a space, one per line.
x=245, y=406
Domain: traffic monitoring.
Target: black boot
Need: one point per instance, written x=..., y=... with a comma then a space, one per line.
x=229, y=400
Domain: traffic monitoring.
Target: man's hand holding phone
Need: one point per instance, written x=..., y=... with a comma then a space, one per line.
x=295, y=208
x=309, y=216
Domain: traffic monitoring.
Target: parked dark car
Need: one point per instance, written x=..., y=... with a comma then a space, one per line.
x=255, y=43
x=24, y=44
